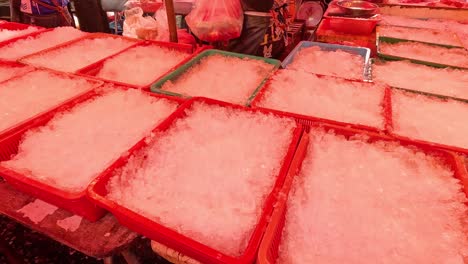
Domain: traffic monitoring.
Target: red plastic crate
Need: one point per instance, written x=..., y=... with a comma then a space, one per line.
x=19, y=26
x=97, y=191
x=307, y=120
x=71, y=42
x=268, y=252
x=390, y=127
x=95, y=68
x=78, y=203
x=349, y=25
x=34, y=35
x=19, y=126
x=22, y=69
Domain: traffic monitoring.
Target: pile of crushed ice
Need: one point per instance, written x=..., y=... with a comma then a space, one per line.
x=24, y=97
x=384, y=203
x=33, y=44
x=431, y=119
x=403, y=74
x=208, y=175
x=419, y=51
x=325, y=97
x=75, y=146
x=6, y=34
x=421, y=34
x=224, y=78
x=80, y=54
x=316, y=60
x=9, y=71
x=141, y=65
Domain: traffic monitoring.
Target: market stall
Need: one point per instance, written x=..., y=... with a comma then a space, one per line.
x=351, y=149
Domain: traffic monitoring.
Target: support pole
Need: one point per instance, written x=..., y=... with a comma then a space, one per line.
x=171, y=21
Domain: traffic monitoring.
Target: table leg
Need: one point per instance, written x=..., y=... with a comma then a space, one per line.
x=129, y=257
x=108, y=260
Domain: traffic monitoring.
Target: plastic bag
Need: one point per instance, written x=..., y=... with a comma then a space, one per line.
x=113, y=5
x=138, y=26
x=148, y=6
x=163, y=29
x=216, y=20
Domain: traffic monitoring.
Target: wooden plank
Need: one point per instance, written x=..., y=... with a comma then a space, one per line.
x=103, y=238
x=171, y=21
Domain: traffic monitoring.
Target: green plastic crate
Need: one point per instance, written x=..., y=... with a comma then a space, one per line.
x=384, y=56
x=174, y=75
x=396, y=40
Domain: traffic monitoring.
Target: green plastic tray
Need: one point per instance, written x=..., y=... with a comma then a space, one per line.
x=384, y=56
x=395, y=40
x=372, y=61
x=174, y=75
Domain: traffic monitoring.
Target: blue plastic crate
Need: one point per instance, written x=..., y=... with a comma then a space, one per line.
x=364, y=52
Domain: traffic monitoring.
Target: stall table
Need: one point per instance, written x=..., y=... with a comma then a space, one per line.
x=101, y=239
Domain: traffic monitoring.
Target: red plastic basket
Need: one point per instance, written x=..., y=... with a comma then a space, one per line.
x=19, y=126
x=155, y=231
x=93, y=69
x=390, y=127
x=307, y=120
x=19, y=26
x=34, y=35
x=21, y=68
x=78, y=203
x=268, y=252
x=71, y=42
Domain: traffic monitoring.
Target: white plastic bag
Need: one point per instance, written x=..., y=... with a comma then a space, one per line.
x=163, y=27
x=216, y=20
x=113, y=5
x=138, y=26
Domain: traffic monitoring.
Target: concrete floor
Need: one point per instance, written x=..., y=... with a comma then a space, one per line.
x=23, y=245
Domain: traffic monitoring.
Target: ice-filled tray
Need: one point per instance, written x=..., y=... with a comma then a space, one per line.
x=17, y=69
x=24, y=123
x=93, y=69
x=363, y=52
x=37, y=37
x=440, y=95
x=97, y=191
x=180, y=71
x=455, y=39
x=385, y=56
x=436, y=98
x=269, y=248
x=78, y=203
x=308, y=119
x=21, y=27
x=26, y=59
